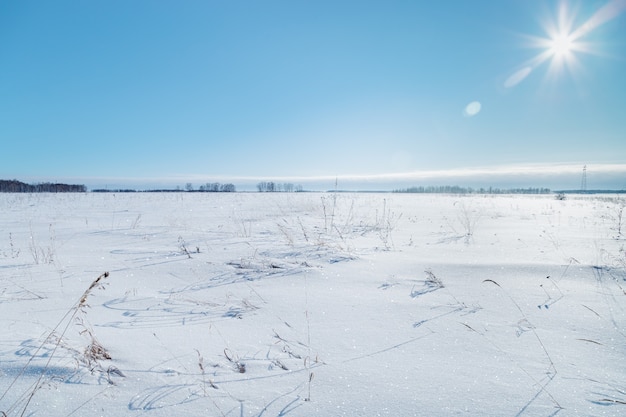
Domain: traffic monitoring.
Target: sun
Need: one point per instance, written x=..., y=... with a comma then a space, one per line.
x=561, y=50
x=562, y=45
x=562, y=42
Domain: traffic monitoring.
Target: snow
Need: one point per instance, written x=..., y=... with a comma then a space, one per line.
x=301, y=304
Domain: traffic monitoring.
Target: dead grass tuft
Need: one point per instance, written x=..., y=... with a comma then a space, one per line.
x=91, y=355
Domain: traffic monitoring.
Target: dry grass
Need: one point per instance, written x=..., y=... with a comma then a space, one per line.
x=92, y=353
x=433, y=280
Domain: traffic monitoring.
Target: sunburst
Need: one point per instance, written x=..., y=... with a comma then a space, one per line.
x=563, y=43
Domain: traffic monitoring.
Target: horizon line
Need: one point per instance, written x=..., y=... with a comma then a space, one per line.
x=537, y=172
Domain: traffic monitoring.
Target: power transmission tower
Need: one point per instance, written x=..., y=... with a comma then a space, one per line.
x=583, y=183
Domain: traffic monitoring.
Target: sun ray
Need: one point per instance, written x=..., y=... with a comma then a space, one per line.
x=607, y=12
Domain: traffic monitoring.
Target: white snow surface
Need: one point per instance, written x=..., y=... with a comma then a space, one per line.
x=312, y=304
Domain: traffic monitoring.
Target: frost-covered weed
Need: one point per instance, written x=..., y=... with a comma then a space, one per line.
x=91, y=355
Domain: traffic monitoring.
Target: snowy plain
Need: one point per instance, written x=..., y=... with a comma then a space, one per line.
x=312, y=304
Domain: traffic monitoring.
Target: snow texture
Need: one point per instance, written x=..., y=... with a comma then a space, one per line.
x=309, y=304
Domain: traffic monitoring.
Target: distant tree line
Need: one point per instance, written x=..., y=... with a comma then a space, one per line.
x=212, y=187
x=15, y=186
x=455, y=189
x=272, y=187
x=116, y=190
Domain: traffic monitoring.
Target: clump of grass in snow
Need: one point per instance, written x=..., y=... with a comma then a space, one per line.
x=615, y=214
x=40, y=254
x=467, y=218
x=203, y=371
x=433, y=280
x=92, y=353
x=182, y=245
x=385, y=224
x=431, y=283
x=234, y=359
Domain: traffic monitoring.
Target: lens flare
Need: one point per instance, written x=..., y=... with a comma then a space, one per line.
x=472, y=109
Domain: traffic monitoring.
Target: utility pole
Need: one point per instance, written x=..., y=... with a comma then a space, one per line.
x=583, y=183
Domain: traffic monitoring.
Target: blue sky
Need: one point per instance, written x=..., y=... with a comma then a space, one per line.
x=162, y=92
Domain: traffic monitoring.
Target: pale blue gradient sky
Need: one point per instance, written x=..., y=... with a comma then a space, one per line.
x=148, y=91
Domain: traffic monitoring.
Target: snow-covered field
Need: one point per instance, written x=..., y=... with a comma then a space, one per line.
x=307, y=304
